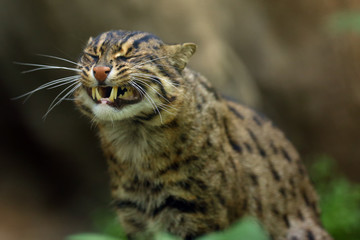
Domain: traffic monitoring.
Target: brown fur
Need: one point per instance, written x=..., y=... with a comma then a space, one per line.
x=198, y=163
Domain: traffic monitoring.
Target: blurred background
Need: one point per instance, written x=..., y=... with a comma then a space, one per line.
x=298, y=62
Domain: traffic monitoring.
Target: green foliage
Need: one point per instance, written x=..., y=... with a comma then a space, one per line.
x=247, y=228
x=347, y=21
x=339, y=200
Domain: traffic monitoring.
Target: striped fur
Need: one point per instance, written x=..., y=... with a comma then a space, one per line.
x=183, y=159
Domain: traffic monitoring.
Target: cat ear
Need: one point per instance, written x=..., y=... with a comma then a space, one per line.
x=90, y=40
x=180, y=54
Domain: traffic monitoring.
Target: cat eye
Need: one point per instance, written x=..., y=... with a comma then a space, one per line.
x=95, y=58
x=122, y=58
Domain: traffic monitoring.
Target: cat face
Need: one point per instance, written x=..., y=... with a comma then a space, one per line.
x=130, y=75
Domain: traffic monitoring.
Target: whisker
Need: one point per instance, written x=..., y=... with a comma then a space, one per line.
x=54, y=104
x=155, y=78
x=42, y=67
x=149, y=61
x=147, y=96
x=159, y=94
x=64, y=80
x=59, y=58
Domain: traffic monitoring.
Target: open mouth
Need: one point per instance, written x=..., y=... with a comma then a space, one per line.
x=115, y=96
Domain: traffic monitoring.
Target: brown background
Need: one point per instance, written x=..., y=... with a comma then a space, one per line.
x=287, y=59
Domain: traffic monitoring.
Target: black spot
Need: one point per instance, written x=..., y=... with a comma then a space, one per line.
x=183, y=138
x=254, y=179
x=210, y=90
x=275, y=150
x=294, y=238
x=220, y=198
x=173, y=124
x=232, y=142
x=191, y=181
x=123, y=204
x=199, y=107
x=282, y=192
x=275, y=211
x=310, y=235
x=300, y=215
x=149, y=116
x=257, y=120
x=182, y=205
x=136, y=223
x=208, y=142
x=84, y=73
x=184, y=184
x=176, y=165
x=237, y=114
x=128, y=50
x=172, y=167
x=258, y=205
x=286, y=220
x=274, y=173
x=286, y=155
x=248, y=147
x=305, y=197
x=254, y=138
x=179, y=151
x=144, y=39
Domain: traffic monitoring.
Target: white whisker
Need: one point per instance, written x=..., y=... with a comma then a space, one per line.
x=42, y=67
x=54, y=104
x=147, y=96
x=59, y=58
x=155, y=78
x=65, y=80
x=149, y=61
x=159, y=94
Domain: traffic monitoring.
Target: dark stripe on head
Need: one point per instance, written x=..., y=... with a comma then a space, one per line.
x=128, y=36
x=144, y=39
x=182, y=205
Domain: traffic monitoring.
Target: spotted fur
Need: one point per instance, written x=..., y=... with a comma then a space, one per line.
x=183, y=159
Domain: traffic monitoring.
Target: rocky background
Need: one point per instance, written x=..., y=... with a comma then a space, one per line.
x=296, y=61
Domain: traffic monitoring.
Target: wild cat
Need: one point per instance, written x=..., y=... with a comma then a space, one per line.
x=181, y=158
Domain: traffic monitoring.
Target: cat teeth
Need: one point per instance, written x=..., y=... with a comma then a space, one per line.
x=97, y=94
x=93, y=92
x=113, y=94
x=126, y=93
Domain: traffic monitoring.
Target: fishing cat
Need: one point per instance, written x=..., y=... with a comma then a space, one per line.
x=181, y=158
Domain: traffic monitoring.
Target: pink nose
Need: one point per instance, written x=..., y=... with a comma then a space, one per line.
x=101, y=73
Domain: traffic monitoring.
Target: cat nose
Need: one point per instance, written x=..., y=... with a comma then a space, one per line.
x=101, y=73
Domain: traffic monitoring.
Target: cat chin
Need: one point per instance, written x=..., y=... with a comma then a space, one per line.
x=107, y=113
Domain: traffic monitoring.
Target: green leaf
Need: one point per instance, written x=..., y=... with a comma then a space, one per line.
x=92, y=236
x=248, y=228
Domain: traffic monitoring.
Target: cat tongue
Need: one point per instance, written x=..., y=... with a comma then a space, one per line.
x=104, y=101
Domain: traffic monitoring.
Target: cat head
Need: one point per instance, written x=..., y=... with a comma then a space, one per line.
x=131, y=75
